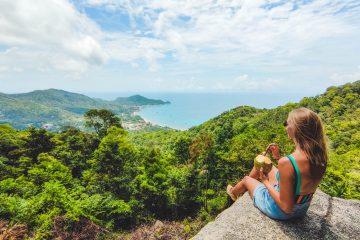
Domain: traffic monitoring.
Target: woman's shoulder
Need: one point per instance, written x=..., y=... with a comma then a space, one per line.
x=300, y=162
x=283, y=160
x=286, y=160
x=299, y=158
x=285, y=165
x=290, y=162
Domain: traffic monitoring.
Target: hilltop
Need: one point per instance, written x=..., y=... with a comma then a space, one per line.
x=55, y=182
x=327, y=218
x=232, y=139
x=138, y=100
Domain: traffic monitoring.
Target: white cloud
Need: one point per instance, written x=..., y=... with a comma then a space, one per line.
x=50, y=28
x=131, y=49
x=4, y=68
x=228, y=33
x=341, y=78
x=252, y=35
x=192, y=31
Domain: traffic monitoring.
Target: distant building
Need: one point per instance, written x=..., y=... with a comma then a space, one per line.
x=47, y=126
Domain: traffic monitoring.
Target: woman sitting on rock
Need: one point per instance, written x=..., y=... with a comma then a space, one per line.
x=286, y=191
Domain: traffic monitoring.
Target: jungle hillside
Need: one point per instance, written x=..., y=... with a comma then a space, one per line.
x=111, y=181
x=53, y=109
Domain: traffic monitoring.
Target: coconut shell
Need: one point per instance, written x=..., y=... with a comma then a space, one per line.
x=264, y=162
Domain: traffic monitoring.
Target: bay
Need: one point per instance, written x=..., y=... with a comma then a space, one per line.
x=191, y=109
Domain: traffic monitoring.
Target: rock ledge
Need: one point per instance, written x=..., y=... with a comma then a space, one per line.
x=327, y=218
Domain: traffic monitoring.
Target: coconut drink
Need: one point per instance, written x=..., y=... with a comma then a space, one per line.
x=263, y=162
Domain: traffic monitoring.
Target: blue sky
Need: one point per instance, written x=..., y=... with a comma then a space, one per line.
x=179, y=45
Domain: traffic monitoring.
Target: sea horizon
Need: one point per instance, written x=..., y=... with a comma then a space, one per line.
x=187, y=110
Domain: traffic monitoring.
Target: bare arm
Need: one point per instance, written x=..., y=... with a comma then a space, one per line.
x=285, y=198
x=275, y=150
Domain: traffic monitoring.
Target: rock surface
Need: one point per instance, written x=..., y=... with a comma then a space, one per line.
x=327, y=218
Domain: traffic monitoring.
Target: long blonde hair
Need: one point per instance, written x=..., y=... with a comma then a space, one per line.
x=309, y=134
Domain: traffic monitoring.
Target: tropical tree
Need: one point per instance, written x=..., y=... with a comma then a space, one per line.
x=101, y=120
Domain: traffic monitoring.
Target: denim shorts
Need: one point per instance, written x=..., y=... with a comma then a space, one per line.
x=266, y=204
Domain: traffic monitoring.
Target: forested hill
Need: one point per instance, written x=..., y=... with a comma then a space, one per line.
x=55, y=108
x=60, y=183
x=237, y=135
x=338, y=107
x=64, y=99
x=139, y=100
x=57, y=98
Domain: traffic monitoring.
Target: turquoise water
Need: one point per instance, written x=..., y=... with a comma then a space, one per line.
x=190, y=109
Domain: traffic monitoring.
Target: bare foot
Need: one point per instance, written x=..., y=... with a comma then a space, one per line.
x=229, y=192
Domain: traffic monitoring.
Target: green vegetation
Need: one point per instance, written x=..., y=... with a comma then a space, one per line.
x=101, y=120
x=54, y=108
x=119, y=180
x=138, y=100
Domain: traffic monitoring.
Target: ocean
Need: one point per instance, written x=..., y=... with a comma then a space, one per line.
x=191, y=109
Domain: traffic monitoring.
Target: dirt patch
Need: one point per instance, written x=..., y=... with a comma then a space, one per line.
x=15, y=232
x=158, y=231
x=84, y=229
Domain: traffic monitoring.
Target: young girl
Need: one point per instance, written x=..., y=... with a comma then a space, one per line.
x=286, y=191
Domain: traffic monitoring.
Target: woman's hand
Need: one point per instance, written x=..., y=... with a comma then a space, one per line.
x=274, y=150
x=263, y=176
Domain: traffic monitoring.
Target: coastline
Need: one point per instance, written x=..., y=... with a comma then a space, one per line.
x=137, y=122
x=187, y=110
x=150, y=122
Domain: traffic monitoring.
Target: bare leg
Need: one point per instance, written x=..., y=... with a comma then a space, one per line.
x=240, y=187
x=254, y=173
x=249, y=183
x=246, y=184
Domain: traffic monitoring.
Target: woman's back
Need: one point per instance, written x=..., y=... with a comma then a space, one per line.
x=307, y=184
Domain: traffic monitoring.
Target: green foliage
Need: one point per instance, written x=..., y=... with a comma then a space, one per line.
x=10, y=142
x=49, y=168
x=105, y=209
x=101, y=120
x=342, y=177
x=112, y=165
x=119, y=179
x=74, y=148
x=38, y=141
x=55, y=108
x=181, y=149
x=151, y=183
x=138, y=100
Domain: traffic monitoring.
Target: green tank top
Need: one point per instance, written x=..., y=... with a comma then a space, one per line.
x=298, y=198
